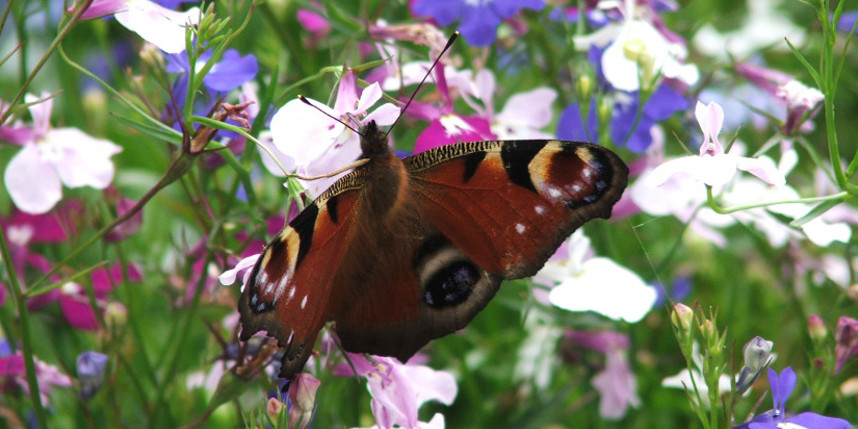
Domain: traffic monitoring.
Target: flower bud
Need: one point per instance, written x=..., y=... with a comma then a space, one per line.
x=302, y=394
x=852, y=292
x=816, y=328
x=847, y=341
x=682, y=317
x=757, y=355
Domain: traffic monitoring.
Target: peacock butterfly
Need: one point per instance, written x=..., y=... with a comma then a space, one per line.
x=401, y=251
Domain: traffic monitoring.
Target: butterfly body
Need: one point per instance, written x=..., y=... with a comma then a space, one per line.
x=402, y=251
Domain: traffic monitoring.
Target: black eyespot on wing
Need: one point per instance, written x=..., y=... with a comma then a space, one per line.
x=451, y=284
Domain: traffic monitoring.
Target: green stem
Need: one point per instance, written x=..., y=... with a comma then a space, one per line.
x=48, y=52
x=26, y=340
x=727, y=210
x=178, y=167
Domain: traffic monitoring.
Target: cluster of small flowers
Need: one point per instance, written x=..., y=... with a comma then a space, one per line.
x=639, y=77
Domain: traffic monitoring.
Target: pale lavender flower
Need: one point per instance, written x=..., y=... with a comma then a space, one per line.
x=302, y=395
x=53, y=157
x=398, y=390
x=319, y=144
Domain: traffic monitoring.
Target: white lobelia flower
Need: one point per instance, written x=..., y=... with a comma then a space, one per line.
x=594, y=284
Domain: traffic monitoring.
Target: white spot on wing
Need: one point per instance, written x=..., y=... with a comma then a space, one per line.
x=576, y=188
x=553, y=192
x=520, y=228
x=304, y=302
x=539, y=210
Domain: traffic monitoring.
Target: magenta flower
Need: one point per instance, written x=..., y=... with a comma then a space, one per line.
x=53, y=157
x=616, y=383
x=448, y=127
x=74, y=301
x=398, y=390
x=13, y=376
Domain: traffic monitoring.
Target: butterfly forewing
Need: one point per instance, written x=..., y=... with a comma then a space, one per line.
x=509, y=205
x=289, y=290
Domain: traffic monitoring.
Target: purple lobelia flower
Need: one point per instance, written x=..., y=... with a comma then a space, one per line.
x=479, y=19
x=782, y=386
x=630, y=126
x=90, y=372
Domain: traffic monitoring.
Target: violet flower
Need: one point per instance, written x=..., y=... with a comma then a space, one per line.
x=90, y=371
x=479, y=20
x=398, y=390
x=782, y=386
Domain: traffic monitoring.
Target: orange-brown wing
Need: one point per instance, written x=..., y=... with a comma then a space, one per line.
x=484, y=212
x=289, y=290
x=508, y=205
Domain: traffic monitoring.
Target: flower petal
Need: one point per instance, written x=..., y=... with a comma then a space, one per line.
x=158, y=25
x=598, y=287
x=33, y=184
x=85, y=160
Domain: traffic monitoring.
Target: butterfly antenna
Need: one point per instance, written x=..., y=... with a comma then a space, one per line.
x=450, y=41
x=307, y=102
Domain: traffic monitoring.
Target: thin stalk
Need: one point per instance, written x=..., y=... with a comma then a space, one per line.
x=26, y=340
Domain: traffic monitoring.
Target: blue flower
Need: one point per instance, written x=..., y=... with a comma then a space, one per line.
x=90, y=372
x=628, y=127
x=782, y=387
x=229, y=73
x=847, y=21
x=479, y=21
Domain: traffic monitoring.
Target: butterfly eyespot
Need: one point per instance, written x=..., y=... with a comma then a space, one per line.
x=451, y=284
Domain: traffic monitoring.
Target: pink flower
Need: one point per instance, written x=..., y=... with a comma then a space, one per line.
x=74, y=300
x=53, y=157
x=847, y=341
x=448, y=127
x=399, y=389
x=319, y=144
x=156, y=24
x=13, y=376
x=616, y=383
x=302, y=395
x=713, y=166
